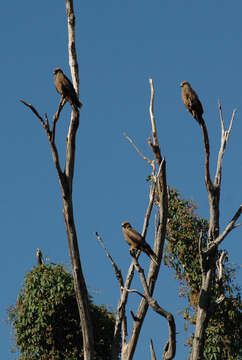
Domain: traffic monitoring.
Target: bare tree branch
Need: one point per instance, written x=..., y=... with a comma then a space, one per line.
x=124, y=296
x=170, y=350
x=136, y=292
x=152, y=351
x=207, y=154
x=150, y=162
x=45, y=125
x=79, y=280
x=224, y=139
x=56, y=117
x=208, y=257
x=66, y=180
x=237, y=225
x=120, y=311
x=159, y=238
x=152, y=117
x=226, y=231
x=54, y=150
x=155, y=144
x=72, y=45
x=123, y=320
x=117, y=271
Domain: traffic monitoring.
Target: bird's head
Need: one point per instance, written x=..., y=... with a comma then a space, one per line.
x=125, y=224
x=183, y=83
x=38, y=251
x=56, y=70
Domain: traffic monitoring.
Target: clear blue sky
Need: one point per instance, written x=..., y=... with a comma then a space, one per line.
x=120, y=44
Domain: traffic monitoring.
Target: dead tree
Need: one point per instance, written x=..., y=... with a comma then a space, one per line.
x=209, y=260
x=209, y=255
x=159, y=196
x=66, y=180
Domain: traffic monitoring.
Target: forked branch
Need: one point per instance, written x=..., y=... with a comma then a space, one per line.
x=50, y=137
x=231, y=225
x=170, y=349
x=224, y=140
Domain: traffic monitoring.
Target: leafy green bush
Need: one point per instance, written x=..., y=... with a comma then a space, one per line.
x=46, y=319
x=224, y=333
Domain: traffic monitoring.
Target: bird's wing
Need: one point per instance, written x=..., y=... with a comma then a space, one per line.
x=58, y=84
x=195, y=102
x=134, y=236
x=67, y=86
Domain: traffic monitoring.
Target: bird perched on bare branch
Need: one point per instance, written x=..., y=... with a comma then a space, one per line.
x=65, y=88
x=39, y=257
x=136, y=241
x=191, y=101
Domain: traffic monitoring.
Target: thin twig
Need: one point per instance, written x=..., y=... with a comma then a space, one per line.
x=56, y=117
x=47, y=121
x=54, y=150
x=237, y=225
x=152, y=351
x=134, y=291
x=150, y=162
x=45, y=125
x=231, y=121
x=221, y=117
x=117, y=271
x=148, y=211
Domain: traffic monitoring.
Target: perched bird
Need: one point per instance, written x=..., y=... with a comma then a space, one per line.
x=136, y=241
x=39, y=257
x=65, y=88
x=191, y=101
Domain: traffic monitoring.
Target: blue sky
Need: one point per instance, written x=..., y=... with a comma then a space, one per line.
x=120, y=44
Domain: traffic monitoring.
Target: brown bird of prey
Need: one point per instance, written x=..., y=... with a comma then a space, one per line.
x=191, y=101
x=65, y=88
x=39, y=257
x=136, y=241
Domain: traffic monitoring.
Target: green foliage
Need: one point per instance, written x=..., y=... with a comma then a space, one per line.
x=46, y=319
x=223, y=335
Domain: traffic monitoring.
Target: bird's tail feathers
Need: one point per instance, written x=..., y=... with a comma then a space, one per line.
x=198, y=117
x=147, y=249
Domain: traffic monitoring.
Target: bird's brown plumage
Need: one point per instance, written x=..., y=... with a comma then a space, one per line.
x=39, y=257
x=65, y=88
x=191, y=101
x=136, y=241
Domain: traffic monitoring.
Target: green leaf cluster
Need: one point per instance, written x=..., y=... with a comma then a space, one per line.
x=46, y=318
x=224, y=334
